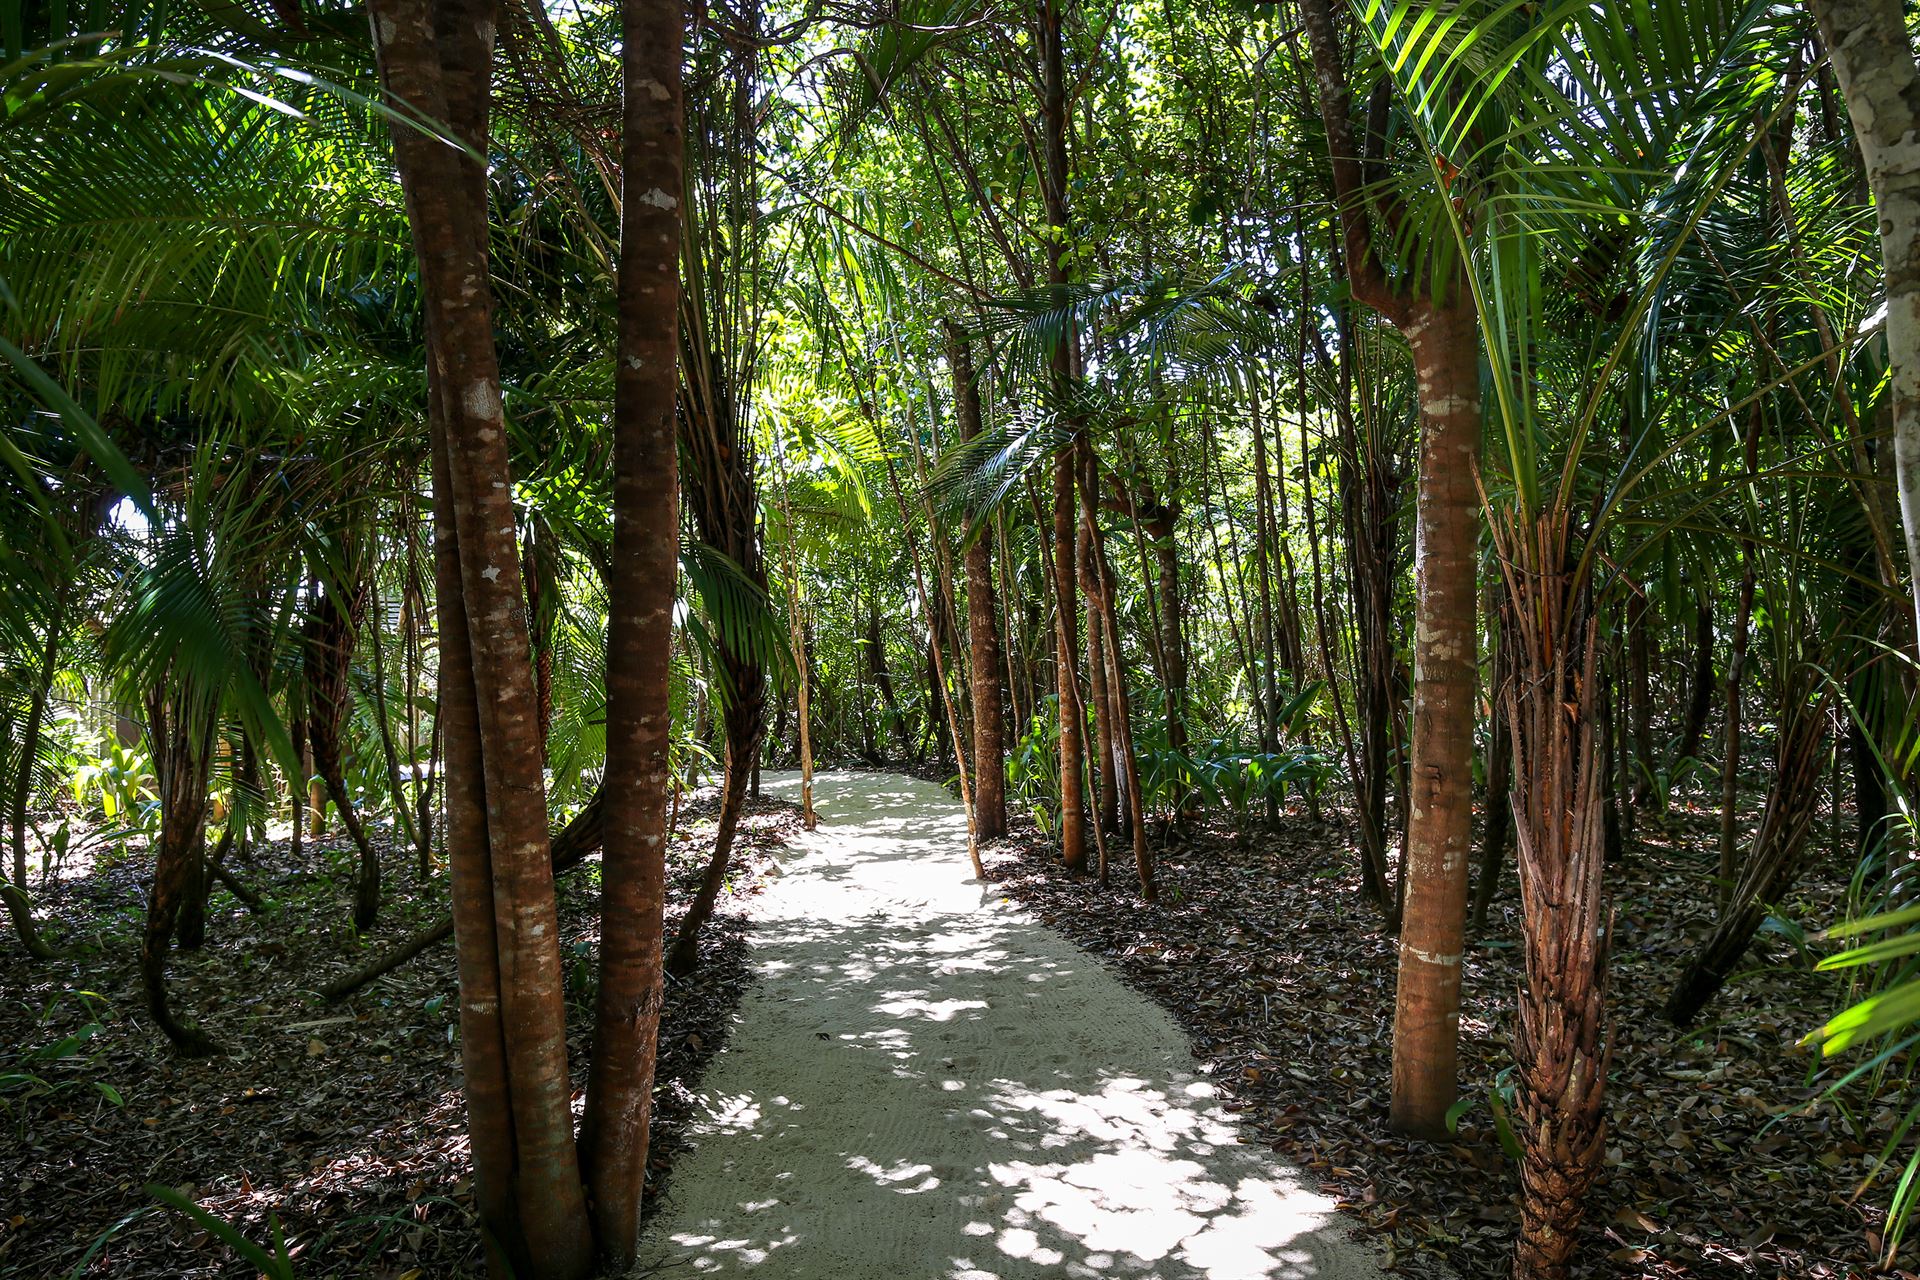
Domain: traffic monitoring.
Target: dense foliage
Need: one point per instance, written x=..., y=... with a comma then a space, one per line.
x=1485, y=425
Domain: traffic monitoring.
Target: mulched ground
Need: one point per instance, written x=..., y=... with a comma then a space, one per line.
x=1716, y=1164
x=343, y=1122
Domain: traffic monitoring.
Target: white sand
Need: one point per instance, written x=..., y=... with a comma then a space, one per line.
x=928, y=1084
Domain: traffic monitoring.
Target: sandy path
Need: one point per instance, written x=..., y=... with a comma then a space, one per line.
x=927, y=1084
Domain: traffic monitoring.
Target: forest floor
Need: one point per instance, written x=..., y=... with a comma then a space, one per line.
x=1720, y=1159
x=928, y=1084
x=342, y=1122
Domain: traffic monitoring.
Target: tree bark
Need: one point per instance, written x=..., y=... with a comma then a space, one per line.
x=882, y=676
x=640, y=630
x=329, y=634
x=436, y=59
x=19, y=900
x=1159, y=520
x=1561, y=1043
x=1700, y=683
x=684, y=955
x=1066, y=660
x=1106, y=618
x=1736, y=673
x=1874, y=60
x=1446, y=349
x=1499, y=803
x=180, y=731
x=1640, y=696
x=1776, y=855
x=297, y=785
x=1106, y=796
x=983, y=624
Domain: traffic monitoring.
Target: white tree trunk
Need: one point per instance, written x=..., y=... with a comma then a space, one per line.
x=1874, y=61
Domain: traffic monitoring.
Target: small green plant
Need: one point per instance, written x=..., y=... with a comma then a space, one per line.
x=1033, y=767
x=275, y=1265
x=120, y=780
x=1499, y=1100
x=59, y=1065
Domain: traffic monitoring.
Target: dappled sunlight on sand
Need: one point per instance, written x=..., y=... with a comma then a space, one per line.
x=927, y=1083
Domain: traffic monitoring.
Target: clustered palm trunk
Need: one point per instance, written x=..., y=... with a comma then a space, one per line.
x=531, y=1179
x=1561, y=1044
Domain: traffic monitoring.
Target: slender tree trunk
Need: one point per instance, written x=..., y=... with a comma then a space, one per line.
x=297, y=785
x=1444, y=338
x=329, y=637
x=19, y=900
x=1446, y=347
x=390, y=754
x=1640, y=696
x=1699, y=684
x=1272, y=650
x=882, y=676
x=412, y=602
x=742, y=742
x=483, y=1037
x=1730, y=755
x=1776, y=856
x=180, y=730
x=1499, y=805
x=1066, y=661
x=1102, y=600
x=639, y=632
x=1614, y=819
x=540, y=569
x=1106, y=794
x=983, y=626
x=1873, y=58
x=1171, y=652
x=436, y=59
x=190, y=922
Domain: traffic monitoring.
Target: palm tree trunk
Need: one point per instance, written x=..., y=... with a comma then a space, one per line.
x=983, y=627
x=1873, y=58
x=1561, y=1043
x=882, y=676
x=1640, y=696
x=1105, y=761
x=1106, y=618
x=180, y=732
x=436, y=59
x=1444, y=337
x=297, y=785
x=1699, y=682
x=614, y=1130
x=330, y=632
x=743, y=721
x=1730, y=756
x=19, y=901
x=1776, y=855
x=1066, y=661
x=1446, y=347
x=1499, y=803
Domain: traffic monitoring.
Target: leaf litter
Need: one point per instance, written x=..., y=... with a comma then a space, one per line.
x=1722, y=1158
x=343, y=1123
